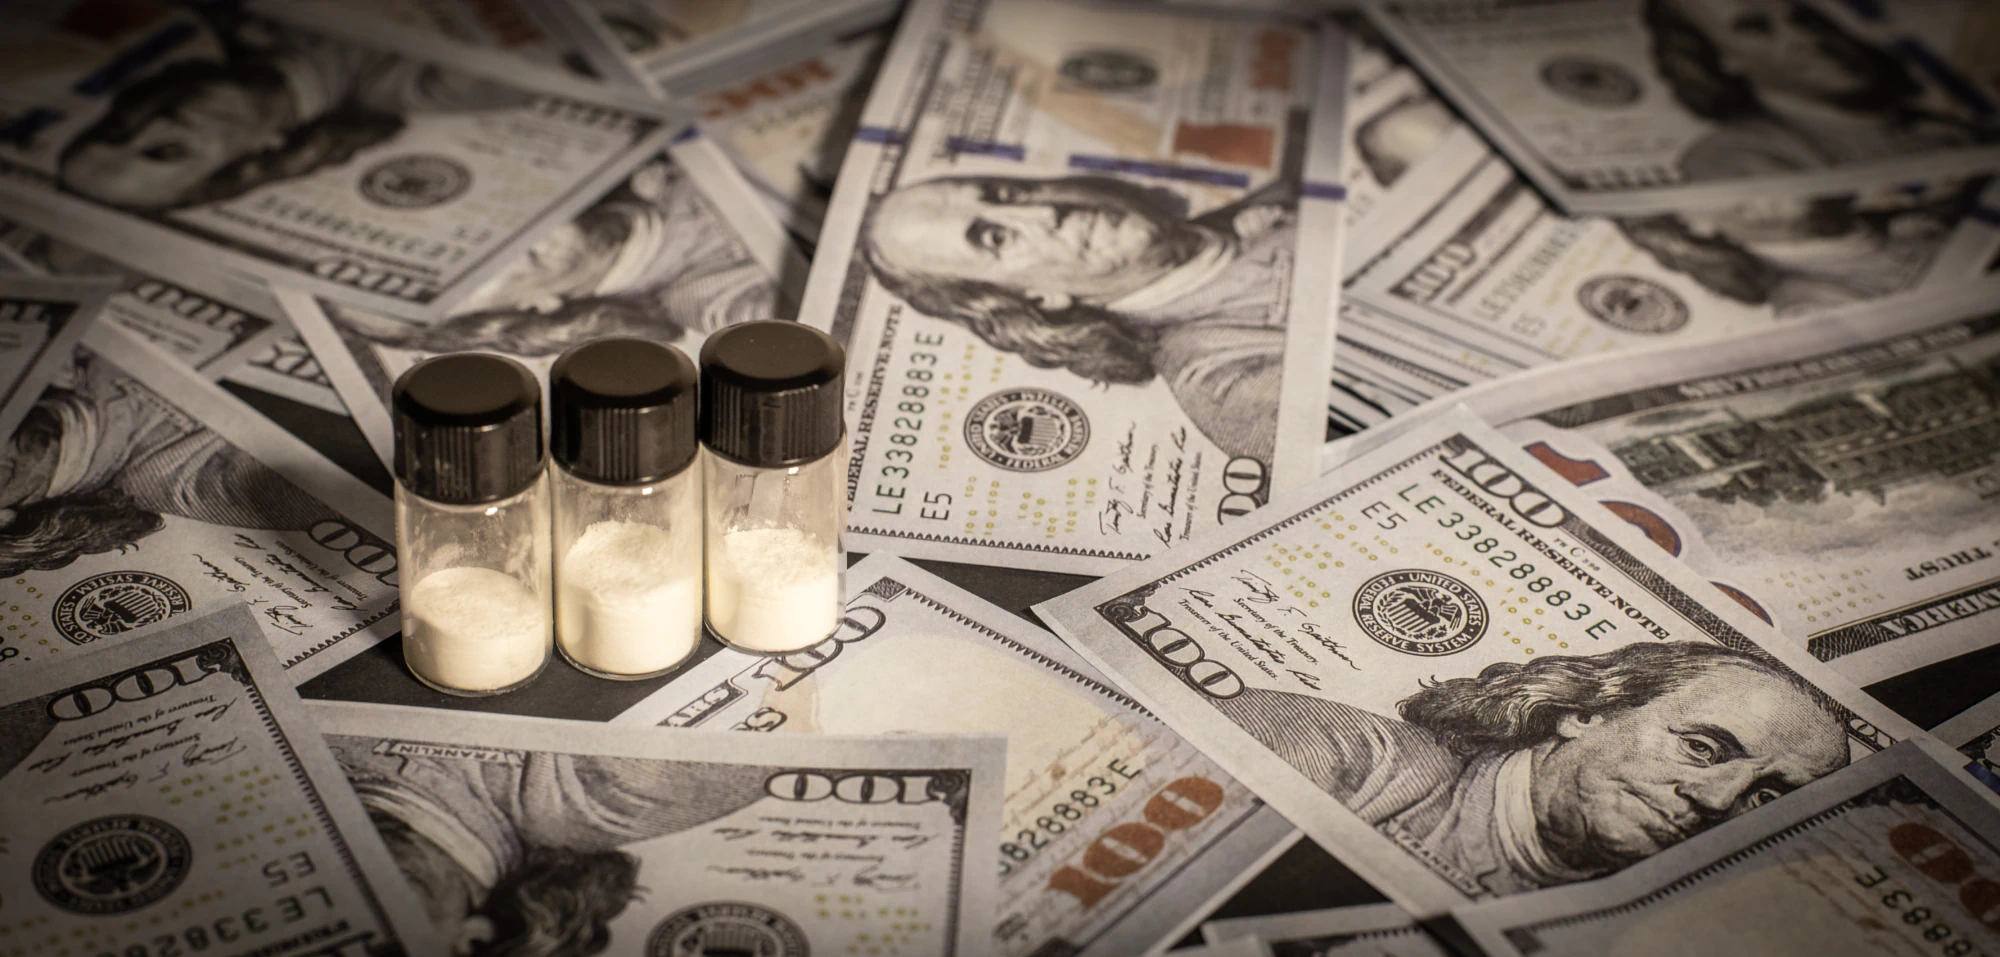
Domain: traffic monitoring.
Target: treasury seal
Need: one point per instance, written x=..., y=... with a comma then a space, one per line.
x=1109, y=71
x=1027, y=430
x=415, y=182
x=1420, y=613
x=727, y=927
x=1633, y=304
x=115, y=602
x=1591, y=82
x=112, y=865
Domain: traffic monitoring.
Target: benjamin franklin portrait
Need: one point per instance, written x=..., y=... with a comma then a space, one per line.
x=271, y=103
x=652, y=258
x=523, y=858
x=1393, y=140
x=100, y=460
x=1563, y=768
x=1798, y=255
x=1789, y=87
x=1108, y=279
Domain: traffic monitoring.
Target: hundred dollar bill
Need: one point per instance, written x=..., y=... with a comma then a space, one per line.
x=1489, y=263
x=1975, y=732
x=134, y=490
x=685, y=46
x=210, y=320
x=1356, y=400
x=1402, y=143
x=787, y=128
x=1465, y=680
x=1114, y=830
x=230, y=328
x=1838, y=479
x=392, y=181
x=1399, y=132
x=285, y=367
x=1383, y=366
x=1894, y=856
x=1085, y=259
x=679, y=250
x=1387, y=349
x=1410, y=358
x=1373, y=378
x=1394, y=126
x=284, y=372
x=525, y=30
x=1645, y=106
x=522, y=831
x=169, y=796
x=1370, y=930
x=41, y=320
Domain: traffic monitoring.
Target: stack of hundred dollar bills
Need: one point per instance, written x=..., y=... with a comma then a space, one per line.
x=1386, y=477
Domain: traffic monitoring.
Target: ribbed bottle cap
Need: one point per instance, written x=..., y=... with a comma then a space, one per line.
x=468, y=428
x=771, y=393
x=621, y=411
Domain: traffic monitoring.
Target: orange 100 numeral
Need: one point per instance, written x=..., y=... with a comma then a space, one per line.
x=1121, y=851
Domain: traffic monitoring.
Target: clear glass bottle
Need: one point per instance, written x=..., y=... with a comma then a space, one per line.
x=472, y=523
x=774, y=459
x=628, y=529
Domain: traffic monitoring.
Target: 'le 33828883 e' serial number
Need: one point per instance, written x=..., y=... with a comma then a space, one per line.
x=911, y=401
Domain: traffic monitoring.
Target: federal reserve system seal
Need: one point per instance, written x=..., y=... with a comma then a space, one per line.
x=112, y=865
x=1027, y=430
x=1109, y=71
x=415, y=182
x=727, y=927
x=104, y=605
x=1591, y=81
x=1633, y=304
x=1420, y=613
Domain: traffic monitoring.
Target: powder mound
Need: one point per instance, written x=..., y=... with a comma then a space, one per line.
x=628, y=601
x=777, y=557
x=475, y=629
x=773, y=589
x=615, y=557
x=479, y=603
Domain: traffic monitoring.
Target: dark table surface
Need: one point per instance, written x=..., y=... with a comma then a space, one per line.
x=1305, y=877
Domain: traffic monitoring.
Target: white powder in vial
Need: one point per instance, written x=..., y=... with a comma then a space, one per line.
x=628, y=602
x=772, y=589
x=475, y=629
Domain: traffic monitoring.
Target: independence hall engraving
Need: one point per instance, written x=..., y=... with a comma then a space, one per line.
x=1866, y=441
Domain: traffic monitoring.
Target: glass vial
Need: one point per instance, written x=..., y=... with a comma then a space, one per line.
x=775, y=460
x=472, y=523
x=627, y=506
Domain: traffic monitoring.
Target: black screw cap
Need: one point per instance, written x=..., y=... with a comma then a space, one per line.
x=622, y=411
x=771, y=393
x=468, y=428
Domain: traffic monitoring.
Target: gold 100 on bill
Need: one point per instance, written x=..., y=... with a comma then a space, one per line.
x=1084, y=259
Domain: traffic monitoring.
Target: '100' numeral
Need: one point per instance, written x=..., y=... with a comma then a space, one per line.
x=1124, y=850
